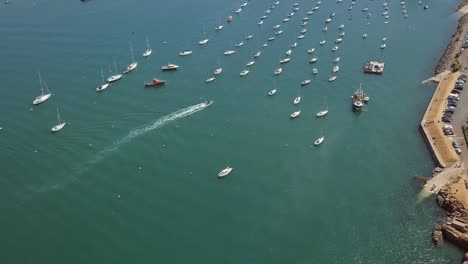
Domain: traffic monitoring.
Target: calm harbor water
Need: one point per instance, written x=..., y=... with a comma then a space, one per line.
x=132, y=177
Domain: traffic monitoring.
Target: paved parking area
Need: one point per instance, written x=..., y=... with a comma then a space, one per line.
x=460, y=117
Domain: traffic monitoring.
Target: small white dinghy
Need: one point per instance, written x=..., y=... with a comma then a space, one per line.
x=244, y=72
x=225, y=172
x=278, y=71
x=295, y=114
x=310, y=50
x=59, y=125
x=336, y=68
x=305, y=82
x=272, y=92
x=257, y=54
x=210, y=79
x=322, y=113
x=297, y=100
x=218, y=71
x=250, y=63
x=331, y=79
x=319, y=141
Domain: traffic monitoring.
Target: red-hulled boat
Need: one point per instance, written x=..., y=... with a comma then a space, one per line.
x=155, y=82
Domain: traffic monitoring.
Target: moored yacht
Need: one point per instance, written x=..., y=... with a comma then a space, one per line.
x=313, y=60
x=185, y=53
x=331, y=79
x=297, y=100
x=310, y=50
x=295, y=114
x=44, y=96
x=244, y=72
x=285, y=60
x=59, y=124
x=218, y=71
x=305, y=82
x=170, y=67
x=225, y=172
x=116, y=76
x=278, y=71
x=272, y=92
x=336, y=68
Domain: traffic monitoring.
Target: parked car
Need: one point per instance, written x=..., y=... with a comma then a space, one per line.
x=455, y=145
x=459, y=88
x=448, y=132
x=447, y=119
x=458, y=151
x=455, y=90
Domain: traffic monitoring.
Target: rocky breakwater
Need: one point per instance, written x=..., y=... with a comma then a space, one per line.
x=454, y=228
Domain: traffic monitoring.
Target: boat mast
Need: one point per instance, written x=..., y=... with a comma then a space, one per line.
x=147, y=43
x=115, y=64
x=58, y=116
x=40, y=82
x=102, y=75
x=131, y=51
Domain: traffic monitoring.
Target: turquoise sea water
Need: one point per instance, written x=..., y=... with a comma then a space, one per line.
x=132, y=177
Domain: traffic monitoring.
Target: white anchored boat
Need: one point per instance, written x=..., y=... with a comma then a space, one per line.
x=44, y=96
x=132, y=66
x=297, y=100
x=272, y=92
x=244, y=72
x=336, y=68
x=323, y=112
x=305, y=82
x=322, y=42
x=313, y=60
x=278, y=71
x=204, y=41
x=319, y=140
x=257, y=54
x=331, y=79
x=185, y=53
x=285, y=60
x=295, y=114
x=116, y=76
x=59, y=124
x=148, y=50
x=315, y=71
x=104, y=84
x=225, y=172
x=310, y=50
x=250, y=63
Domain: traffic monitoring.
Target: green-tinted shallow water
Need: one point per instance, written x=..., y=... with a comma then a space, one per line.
x=121, y=185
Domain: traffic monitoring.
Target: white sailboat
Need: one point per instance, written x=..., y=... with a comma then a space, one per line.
x=104, y=84
x=225, y=172
x=204, y=40
x=148, y=50
x=115, y=77
x=132, y=65
x=59, y=124
x=319, y=140
x=219, y=70
x=323, y=112
x=44, y=96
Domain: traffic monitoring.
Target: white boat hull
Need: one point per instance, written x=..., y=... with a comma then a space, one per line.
x=57, y=127
x=41, y=98
x=102, y=87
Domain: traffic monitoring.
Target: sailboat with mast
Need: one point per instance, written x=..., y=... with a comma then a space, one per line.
x=59, y=124
x=44, y=96
x=204, y=41
x=132, y=65
x=319, y=140
x=219, y=70
x=148, y=50
x=323, y=112
x=104, y=84
x=116, y=76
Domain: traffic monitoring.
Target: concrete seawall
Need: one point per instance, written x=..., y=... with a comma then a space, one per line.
x=432, y=127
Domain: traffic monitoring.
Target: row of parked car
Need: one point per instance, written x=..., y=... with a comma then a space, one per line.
x=452, y=102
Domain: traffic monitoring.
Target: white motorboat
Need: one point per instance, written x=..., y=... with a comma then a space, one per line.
x=225, y=172
x=240, y=44
x=276, y=3
x=341, y=26
x=322, y=113
x=297, y=100
x=260, y=22
x=219, y=27
x=116, y=76
x=313, y=60
x=286, y=20
x=328, y=20
x=238, y=10
x=248, y=37
x=314, y=71
x=104, y=84
x=257, y=54
x=285, y=60
x=132, y=65
x=148, y=50
x=338, y=40
x=335, y=48
x=244, y=72
x=265, y=45
x=295, y=114
x=288, y=52
x=291, y=14
x=336, y=60
x=310, y=12
x=316, y=8
x=324, y=29
x=263, y=17
x=319, y=141
x=336, y=68
x=303, y=31
x=296, y=9
x=322, y=42
x=218, y=71
x=364, y=35
x=278, y=71
x=279, y=32
x=210, y=79
x=244, y=4
x=305, y=19
x=185, y=53
x=276, y=27
x=300, y=37
x=250, y=63
x=305, y=82
x=169, y=67
x=229, y=52
x=44, y=96
x=304, y=23
x=383, y=46
x=331, y=79
x=384, y=39
x=272, y=92
x=296, y=4
x=271, y=38
x=59, y=124
x=268, y=11
x=294, y=45
x=342, y=34
x=310, y=50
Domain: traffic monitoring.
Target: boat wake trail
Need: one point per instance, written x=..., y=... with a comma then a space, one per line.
x=77, y=172
x=147, y=128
